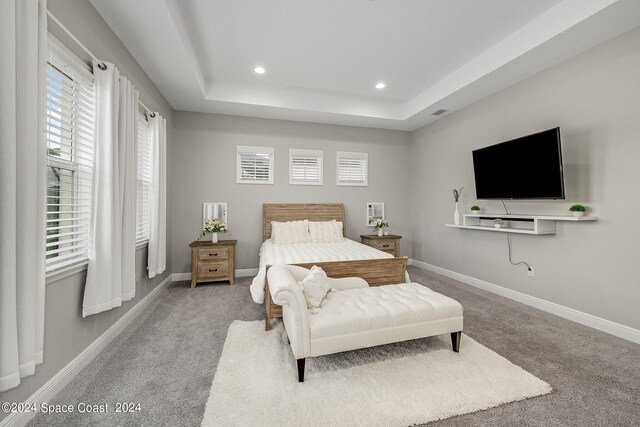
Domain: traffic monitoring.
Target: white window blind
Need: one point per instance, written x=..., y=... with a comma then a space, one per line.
x=254, y=165
x=352, y=169
x=69, y=134
x=305, y=167
x=143, y=202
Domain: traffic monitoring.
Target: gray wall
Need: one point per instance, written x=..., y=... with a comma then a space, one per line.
x=66, y=332
x=591, y=267
x=205, y=170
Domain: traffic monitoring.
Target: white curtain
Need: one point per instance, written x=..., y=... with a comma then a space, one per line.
x=111, y=271
x=23, y=49
x=157, y=261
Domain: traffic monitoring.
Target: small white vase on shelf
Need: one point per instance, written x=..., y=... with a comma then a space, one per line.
x=379, y=232
x=214, y=237
x=577, y=213
x=456, y=216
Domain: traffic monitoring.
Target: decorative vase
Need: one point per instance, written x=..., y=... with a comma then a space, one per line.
x=456, y=216
x=379, y=232
x=475, y=212
x=497, y=225
x=214, y=237
x=577, y=213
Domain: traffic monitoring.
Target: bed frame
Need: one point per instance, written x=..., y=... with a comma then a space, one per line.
x=377, y=272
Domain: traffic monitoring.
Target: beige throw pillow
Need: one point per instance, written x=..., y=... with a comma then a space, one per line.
x=290, y=232
x=315, y=286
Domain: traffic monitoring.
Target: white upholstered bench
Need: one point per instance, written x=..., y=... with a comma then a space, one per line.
x=359, y=316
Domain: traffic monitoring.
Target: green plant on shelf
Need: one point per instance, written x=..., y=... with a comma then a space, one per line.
x=577, y=208
x=475, y=209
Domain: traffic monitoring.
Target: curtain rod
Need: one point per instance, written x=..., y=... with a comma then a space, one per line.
x=95, y=58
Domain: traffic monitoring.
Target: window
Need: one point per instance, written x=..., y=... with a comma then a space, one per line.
x=254, y=165
x=353, y=169
x=69, y=134
x=305, y=167
x=143, y=202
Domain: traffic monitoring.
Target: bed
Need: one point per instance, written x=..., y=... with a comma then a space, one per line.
x=380, y=273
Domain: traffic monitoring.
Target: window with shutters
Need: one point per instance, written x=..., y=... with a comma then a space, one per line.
x=69, y=134
x=352, y=169
x=254, y=165
x=305, y=167
x=143, y=202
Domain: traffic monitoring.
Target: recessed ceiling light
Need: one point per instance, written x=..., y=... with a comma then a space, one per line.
x=380, y=85
x=259, y=70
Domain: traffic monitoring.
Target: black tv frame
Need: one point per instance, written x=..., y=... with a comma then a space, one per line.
x=563, y=193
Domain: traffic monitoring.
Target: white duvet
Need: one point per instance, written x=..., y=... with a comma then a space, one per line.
x=294, y=253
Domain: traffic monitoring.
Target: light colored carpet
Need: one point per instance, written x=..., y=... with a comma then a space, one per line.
x=393, y=385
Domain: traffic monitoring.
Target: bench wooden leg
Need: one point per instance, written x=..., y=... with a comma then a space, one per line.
x=455, y=341
x=267, y=305
x=300, y=363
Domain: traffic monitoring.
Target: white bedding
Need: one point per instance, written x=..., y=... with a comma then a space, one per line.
x=295, y=253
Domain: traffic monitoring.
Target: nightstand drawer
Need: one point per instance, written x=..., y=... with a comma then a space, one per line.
x=389, y=244
x=213, y=253
x=383, y=245
x=212, y=270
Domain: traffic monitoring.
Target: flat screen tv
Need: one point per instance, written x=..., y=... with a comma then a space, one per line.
x=529, y=167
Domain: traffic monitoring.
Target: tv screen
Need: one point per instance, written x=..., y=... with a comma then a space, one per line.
x=529, y=167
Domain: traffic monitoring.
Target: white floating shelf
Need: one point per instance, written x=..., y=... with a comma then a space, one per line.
x=539, y=217
x=517, y=223
x=501, y=230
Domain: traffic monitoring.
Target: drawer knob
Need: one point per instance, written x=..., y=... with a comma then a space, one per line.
x=213, y=269
x=216, y=254
x=385, y=246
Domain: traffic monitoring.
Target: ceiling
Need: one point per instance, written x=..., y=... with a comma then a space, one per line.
x=323, y=58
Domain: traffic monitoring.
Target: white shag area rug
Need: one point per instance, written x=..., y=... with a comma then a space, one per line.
x=401, y=384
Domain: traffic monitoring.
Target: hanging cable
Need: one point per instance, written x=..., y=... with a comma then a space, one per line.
x=505, y=207
x=509, y=242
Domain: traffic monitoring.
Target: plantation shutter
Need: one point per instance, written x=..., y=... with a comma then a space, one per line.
x=305, y=167
x=143, y=202
x=69, y=134
x=352, y=169
x=254, y=165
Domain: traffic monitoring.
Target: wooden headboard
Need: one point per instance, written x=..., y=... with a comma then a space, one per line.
x=297, y=212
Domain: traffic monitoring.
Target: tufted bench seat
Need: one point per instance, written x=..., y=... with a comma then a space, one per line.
x=359, y=316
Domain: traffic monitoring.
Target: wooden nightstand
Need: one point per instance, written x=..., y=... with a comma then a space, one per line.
x=389, y=244
x=213, y=262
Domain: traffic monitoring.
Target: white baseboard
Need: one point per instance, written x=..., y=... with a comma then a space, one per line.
x=244, y=272
x=247, y=272
x=66, y=374
x=586, y=319
x=180, y=277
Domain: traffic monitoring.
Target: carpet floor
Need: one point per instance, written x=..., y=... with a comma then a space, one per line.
x=167, y=358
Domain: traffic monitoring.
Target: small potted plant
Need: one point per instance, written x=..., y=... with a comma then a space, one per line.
x=214, y=226
x=475, y=209
x=577, y=210
x=497, y=223
x=379, y=225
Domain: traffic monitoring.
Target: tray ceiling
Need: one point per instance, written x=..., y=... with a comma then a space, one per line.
x=323, y=58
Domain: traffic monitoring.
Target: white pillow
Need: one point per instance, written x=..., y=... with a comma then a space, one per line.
x=315, y=286
x=325, y=231
x=290, y=232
